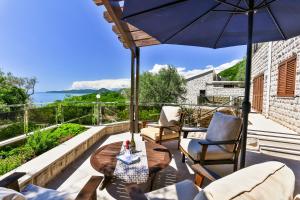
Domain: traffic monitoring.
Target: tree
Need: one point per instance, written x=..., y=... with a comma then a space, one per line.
x=15, y=90
x=28, y=84
x=167, y=86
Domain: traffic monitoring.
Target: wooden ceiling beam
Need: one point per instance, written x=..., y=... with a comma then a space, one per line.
x=130, y=28
x=115, y=12
x=107, y=16
x=100, y=2
x=143, y=42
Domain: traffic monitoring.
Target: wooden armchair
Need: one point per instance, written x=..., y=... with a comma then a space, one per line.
x=221, y=145
x=88, y=192
x=168, y=127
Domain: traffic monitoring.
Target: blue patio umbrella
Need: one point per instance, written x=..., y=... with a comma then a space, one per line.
x=217, y=24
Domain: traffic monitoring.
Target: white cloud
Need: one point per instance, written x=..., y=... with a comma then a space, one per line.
x=125, y=83
x=104, y=83
x=194, y=72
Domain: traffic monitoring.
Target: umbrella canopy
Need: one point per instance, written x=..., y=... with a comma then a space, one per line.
x=216, y=24
x=213, y=23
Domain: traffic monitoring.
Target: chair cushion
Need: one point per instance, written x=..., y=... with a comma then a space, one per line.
x=265, y=181
x=194, y=149
x=224, y=127
x=184, y=190
x=33, y=192
x=169, y=116
x=153, y=133
x=9, y=194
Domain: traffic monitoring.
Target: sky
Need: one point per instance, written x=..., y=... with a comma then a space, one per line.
x=67, y=44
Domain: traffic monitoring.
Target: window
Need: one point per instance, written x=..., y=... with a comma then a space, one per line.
x=287, y=78
x=202, y=93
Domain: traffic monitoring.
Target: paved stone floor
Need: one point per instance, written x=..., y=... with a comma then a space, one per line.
x=74, y=178
x=261, y=123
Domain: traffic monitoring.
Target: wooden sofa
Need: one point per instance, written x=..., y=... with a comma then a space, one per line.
x=264, y=181
x=88, y=192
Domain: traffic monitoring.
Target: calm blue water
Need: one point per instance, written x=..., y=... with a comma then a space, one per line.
x=43, y=97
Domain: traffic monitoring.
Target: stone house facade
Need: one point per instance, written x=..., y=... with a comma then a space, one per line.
x=208, y=84
x=275, y=87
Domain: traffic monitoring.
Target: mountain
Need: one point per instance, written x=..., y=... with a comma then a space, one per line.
x=234, y=73
x=81, y=91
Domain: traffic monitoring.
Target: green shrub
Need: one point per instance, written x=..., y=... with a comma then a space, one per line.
x=15, y=129
x=36, y=144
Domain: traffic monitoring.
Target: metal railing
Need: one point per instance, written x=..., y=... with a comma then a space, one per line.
x=21, y=119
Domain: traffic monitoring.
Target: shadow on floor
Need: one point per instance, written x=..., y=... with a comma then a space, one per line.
x=66, y=173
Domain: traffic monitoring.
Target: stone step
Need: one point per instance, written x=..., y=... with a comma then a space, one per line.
x=288, y=153
x=274, y=138
x=274, y=134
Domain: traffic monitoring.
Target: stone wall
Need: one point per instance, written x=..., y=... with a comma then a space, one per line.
x=285, y=110
x=194, y=85
x=224, y=92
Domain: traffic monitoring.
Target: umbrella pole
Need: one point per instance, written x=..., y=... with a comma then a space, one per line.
x=246, y=103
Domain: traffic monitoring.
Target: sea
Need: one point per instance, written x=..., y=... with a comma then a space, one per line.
x=45, y=97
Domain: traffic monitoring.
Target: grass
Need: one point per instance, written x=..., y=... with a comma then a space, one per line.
x=234, y=73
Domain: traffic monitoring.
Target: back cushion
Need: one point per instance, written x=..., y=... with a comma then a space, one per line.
x=169, y=116
x=224, y=127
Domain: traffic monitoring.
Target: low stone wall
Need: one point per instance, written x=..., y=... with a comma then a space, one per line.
x=44, y=168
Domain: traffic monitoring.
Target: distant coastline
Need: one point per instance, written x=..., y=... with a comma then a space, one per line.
x=85, y=91
x=52, y=96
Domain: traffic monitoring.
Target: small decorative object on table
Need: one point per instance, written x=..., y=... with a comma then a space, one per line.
x=127, y=156
x=132, y=143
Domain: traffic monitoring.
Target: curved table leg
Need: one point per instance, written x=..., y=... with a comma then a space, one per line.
x=105, y=181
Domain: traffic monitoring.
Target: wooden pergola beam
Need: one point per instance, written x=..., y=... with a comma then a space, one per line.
x=115, y=12
x=100, y=2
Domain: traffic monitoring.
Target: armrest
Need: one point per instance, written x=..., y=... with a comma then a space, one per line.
x=135, y=193
x=203, y=171
x=12, y=181
x=88, y=192
x=159, y=126
x=209, y=142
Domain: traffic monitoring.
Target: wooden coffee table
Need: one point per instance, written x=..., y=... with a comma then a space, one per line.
x=104, y=159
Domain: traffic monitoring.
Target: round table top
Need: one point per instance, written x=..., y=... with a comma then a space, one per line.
x=193, y=129
x=104, y=159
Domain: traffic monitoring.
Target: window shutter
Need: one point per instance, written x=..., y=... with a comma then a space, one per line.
x=287, y=78
x=281, y=80
x=291, y=77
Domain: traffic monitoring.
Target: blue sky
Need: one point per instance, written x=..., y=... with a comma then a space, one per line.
x=65, y=41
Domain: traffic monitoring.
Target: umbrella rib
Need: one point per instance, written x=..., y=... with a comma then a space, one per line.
x=245, y=1
x=190, y=23
x=224, y=28
x=155, y=8
x=276, y=23
x=264, y=4
x=232, y=5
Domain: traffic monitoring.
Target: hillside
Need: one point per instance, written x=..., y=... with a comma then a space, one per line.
x=234, y=73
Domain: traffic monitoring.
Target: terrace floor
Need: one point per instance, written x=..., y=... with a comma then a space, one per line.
x=75, y=177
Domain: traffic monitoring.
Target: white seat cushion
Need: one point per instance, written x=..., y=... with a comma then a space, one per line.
x=223, y=128
x=33, y=192
x=184, y=190
x=194, y=149
x=265, y=181
x=153, y=133
x=9, y=194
